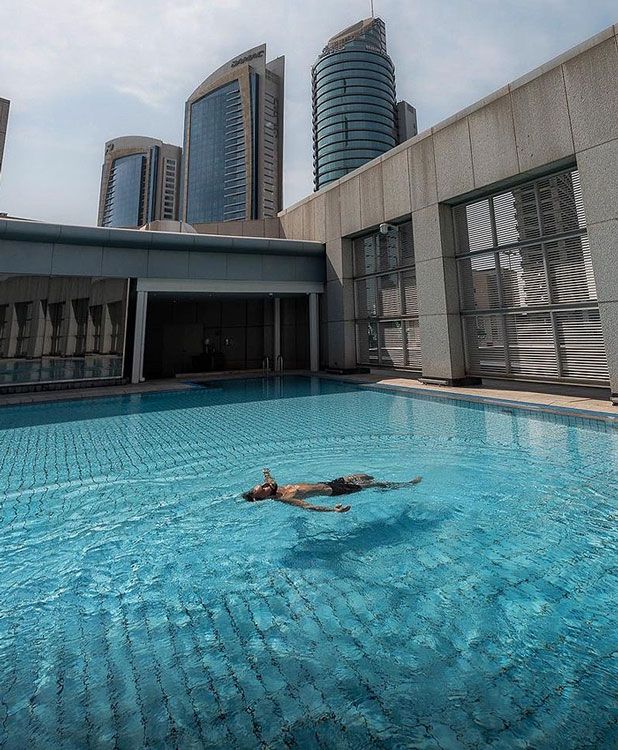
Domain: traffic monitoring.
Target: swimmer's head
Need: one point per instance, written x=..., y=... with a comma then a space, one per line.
x=261, y=492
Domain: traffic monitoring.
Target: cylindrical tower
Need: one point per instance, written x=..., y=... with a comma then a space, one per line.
x=354, y=101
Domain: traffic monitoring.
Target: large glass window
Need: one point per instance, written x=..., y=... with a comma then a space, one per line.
x=387, y=332
x=124, y=202
x=217, y=169
x=61, y=328
x=527, y=292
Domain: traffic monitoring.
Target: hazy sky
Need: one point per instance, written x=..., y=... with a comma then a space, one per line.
x=79, y=73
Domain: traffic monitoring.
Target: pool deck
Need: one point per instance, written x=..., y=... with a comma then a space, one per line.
x=565, y=404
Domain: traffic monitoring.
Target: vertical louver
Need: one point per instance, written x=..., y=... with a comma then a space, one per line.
x=527, y=292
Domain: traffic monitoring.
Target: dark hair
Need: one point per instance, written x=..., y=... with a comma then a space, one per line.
x=248, y=496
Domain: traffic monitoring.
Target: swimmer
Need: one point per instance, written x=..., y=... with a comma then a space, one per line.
x=297, y=494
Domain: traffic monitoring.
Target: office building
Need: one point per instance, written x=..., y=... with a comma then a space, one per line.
x=482, y=249
x=356, y=117
x=140, y=182
x=233, y=142
x=4, y=122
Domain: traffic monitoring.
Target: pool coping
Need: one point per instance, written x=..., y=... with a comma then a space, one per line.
x=526, y=401
x=543, y=403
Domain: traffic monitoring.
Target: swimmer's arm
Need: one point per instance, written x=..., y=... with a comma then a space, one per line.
x=268, y=477
x=308, y=506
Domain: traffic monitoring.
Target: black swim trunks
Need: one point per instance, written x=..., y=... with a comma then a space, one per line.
x=341, y=487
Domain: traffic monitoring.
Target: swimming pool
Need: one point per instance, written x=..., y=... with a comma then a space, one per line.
x=143, y=604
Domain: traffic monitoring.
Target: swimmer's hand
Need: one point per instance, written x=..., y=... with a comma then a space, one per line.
x=416, y=480
x=339, y=508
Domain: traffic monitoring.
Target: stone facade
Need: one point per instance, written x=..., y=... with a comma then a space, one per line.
x=564, y=113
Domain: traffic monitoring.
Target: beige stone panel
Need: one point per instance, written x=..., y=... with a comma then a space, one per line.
x=340, y=300
x=427, y=234
x=592, y=93
x=438, y=290
x=422, y=170
x=396, y=186
x=272, y=228
x=371, y=192
x=492, y=138
x=442, y=347
x=453, y=160
x=333, y=213
x=341, y=344
x=292, y=224
x=609, y=325
x=308, y=214
x=253, y=228
x=603, y=239
x=349, y=199
x=339, y=263
x=542, y=125
x=319, y=224
x=598, y=169
x=231, y=228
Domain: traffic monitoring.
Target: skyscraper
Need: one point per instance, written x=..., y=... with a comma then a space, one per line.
x=355, y=110
x=140, y=182
x=4, y=119
x=233, y=143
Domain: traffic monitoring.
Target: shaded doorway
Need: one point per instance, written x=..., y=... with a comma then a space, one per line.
x=191, y=333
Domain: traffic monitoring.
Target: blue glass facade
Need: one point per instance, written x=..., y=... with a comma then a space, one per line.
x=124, y=201
x=217, y=165
x=354, y=102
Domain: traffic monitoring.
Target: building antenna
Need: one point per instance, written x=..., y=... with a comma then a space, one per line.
x=372, y=15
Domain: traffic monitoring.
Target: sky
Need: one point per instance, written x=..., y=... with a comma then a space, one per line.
x=79, y=73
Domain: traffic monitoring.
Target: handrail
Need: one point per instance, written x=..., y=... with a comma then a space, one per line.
x=266, y=364
x=280, y=363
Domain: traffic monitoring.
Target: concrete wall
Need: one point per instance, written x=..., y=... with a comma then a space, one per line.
x=565, y=112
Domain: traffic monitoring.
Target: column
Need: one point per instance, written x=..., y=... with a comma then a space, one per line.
x=438, y=297
x=314, y=333
x=139, y=338
x=276, y=330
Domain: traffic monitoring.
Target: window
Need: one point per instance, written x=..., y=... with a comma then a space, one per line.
x=387, y=331
x=23, y=314
x=96, y=318
x=4, y=329
x=116, y=319
x=55, y=312
x=527, y=291
x=80, y=315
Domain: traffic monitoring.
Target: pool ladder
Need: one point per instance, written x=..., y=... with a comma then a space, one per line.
x=279, y=364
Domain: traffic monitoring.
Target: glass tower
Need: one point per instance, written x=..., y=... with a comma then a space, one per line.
x=354, y=102
x=139, y=183
x=234, y=141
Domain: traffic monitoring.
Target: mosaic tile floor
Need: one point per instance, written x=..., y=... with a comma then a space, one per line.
x=143, y=604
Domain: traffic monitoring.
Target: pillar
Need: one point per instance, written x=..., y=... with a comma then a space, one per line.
x=438, y=296
x=276, y=330
x=314, y=333
x=137, y=371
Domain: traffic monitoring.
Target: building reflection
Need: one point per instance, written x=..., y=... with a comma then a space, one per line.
x=61, y=328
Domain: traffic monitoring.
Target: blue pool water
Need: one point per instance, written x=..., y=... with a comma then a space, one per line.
x=143, y=604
